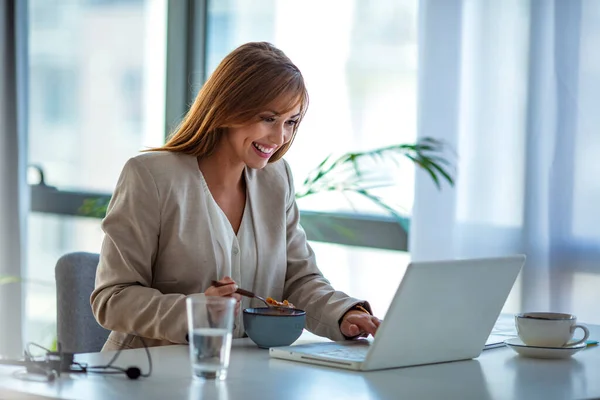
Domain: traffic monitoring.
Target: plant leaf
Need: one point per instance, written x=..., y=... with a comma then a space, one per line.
x=363, y=171
x=9, y=279
x=377, y=200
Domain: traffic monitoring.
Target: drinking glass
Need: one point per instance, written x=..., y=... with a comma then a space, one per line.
x=210, y=326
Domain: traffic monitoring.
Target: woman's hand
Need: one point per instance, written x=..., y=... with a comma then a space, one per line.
x=355, y=323
x=227, y=290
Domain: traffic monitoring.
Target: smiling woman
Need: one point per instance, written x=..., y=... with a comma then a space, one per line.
x=255, y=82
x=261, y=137
x=217, y=203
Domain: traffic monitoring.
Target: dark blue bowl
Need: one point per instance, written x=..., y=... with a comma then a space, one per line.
x=269, y=327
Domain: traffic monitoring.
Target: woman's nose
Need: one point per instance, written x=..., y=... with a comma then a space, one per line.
x=279, y=135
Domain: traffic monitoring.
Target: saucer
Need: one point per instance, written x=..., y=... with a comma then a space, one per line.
x=542, y=352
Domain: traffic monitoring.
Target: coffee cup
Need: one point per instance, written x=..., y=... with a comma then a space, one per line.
x=546, y=329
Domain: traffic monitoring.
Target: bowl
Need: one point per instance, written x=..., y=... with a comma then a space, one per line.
x=270, y=327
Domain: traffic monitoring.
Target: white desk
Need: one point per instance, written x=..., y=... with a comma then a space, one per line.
x=496, y=374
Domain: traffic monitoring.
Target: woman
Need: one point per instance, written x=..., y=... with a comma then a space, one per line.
x=215, y=202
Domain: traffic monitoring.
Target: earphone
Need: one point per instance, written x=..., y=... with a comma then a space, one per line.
x=56, y=362
x=131, y=372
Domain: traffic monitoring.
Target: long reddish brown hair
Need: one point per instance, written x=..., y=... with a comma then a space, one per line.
x=247, y=82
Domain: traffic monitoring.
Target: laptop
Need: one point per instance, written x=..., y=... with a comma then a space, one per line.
x=442, y=311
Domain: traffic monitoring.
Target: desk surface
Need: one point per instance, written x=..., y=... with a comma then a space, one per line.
x=496, y=374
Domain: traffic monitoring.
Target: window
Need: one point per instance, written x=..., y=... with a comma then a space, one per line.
x=56, y=96
x=96, y=97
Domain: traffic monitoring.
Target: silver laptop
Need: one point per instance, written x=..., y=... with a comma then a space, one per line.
x=442, y=311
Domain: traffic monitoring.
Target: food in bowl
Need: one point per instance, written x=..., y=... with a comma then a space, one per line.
x=273, y=327
x=271, y=301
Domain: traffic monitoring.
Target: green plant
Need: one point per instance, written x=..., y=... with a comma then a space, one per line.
x=8, y=279
x=95, y=208
x=363, y=172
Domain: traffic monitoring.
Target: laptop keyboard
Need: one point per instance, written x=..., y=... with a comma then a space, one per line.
x=352, y=352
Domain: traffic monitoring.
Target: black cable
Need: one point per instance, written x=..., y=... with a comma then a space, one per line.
x=149, y=359
x=57, y=362
x=112, y=360
x=82, y=367
x=29, y=344
x=131, y=372
x=120, y=372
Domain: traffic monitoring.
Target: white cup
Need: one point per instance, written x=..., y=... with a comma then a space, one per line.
x=546, y=329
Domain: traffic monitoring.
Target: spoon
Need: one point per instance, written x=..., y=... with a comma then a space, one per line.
x=246, y=293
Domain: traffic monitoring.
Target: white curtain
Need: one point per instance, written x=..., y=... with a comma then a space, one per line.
x=13, y=186
x=513, y=86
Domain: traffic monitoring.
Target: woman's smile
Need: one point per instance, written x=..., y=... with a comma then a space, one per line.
x=263, y=150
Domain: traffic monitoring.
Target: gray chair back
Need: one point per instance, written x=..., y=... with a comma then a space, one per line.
x=78, y=331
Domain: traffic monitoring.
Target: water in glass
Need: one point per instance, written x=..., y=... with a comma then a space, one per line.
x=209, y=351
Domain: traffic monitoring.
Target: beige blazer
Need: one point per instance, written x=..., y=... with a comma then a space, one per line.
x=158, y=249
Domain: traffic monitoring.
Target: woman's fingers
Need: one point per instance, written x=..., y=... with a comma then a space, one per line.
x=357, y=323
x=228, y=289
x=222, y=291
x=237, y=297
x=366, y=325
x=349, y=328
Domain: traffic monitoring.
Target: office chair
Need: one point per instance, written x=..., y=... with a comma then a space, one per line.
x=78, y=331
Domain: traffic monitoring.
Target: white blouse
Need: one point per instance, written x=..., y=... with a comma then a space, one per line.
x=235, y=254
